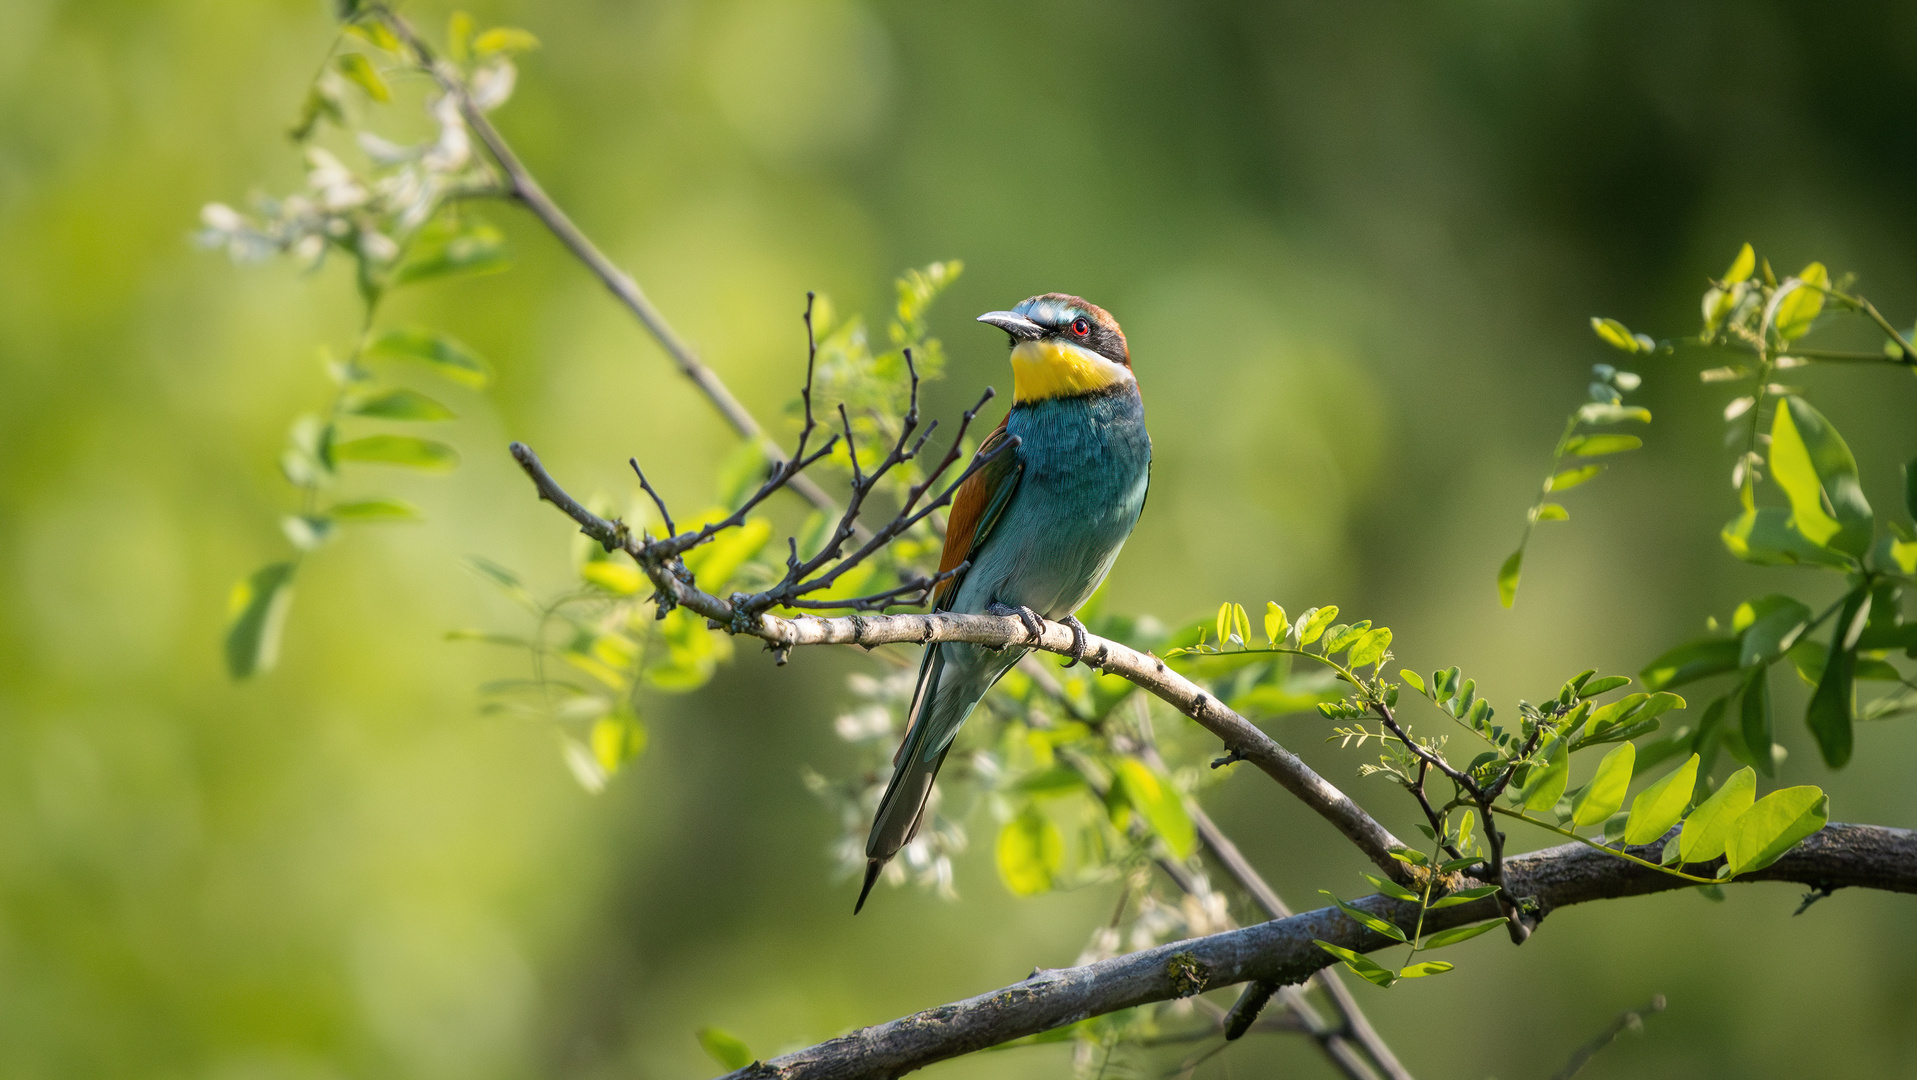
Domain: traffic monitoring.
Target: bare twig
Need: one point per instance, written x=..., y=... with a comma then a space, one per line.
x=525, y=188
x=1864, y=856
x=1628, y=1020
x=1144, y=670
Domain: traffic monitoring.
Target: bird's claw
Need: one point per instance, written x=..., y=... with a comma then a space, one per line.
x=1078, y=638
x=1034, y=624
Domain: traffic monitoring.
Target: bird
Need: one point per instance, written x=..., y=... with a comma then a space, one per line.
x=1032, y=532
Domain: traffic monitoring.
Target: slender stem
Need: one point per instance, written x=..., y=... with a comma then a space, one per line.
x=1626, y=856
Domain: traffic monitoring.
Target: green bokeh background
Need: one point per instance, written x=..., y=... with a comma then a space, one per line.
x=1355, y=247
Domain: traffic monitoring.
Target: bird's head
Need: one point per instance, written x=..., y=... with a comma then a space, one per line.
x=1062, y=346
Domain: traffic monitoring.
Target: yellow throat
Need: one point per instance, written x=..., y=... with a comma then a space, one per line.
x=1052, y=368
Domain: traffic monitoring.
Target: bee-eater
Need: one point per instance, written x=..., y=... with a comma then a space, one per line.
x=1038, y=527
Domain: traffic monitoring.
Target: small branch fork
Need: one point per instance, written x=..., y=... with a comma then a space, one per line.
x=1283, y=952
x=1240, y=736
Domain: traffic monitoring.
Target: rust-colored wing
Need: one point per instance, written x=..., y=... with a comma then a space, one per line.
x=976, y=507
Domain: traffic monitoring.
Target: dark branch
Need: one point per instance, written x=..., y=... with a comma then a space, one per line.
x=1282, y=952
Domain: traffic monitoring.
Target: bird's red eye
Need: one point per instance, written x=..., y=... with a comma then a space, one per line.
x=1081, y=327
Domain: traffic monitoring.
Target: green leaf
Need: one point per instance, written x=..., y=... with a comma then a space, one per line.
x=1414, y=680
x=401, y=450
x=1340, y=638
x=725, y=1048
x=371, y=511
x=1508, y=577
x=1224, y=623
x=1833, y=704
x=1661, y=805
x=715, y=562
x=1393, y=889
x=1372, y=922
x=1709, y=827
x=361, y=73
x=1755, y=714
x=307, y=532
x=1605, y=793
x=1600, y=413
x=1799, y=308
x=1548, y=787
x=616, y=740
x=1370, y=648
x=1773, y=826
x=501, y=578
x=257, y=614
x=1459, y=933
x=1599, y=445
x=1571, y=478
x=1615, y=334
x=505, y=39
x=616, y=578
x=1030, y=853
x=1276, y=626
x=1465, y=896
x=1361, y=965
x=1314, y=622
x=1741, y=266
x=1690, y=662
x=1768, y=627
x=1767, y=536
x=447, y=246
x=1551, y=512
x=1160, y=804
x=1814, y=466
x=447, y=356
x=1420, y=970
x=1596, y=687
x=398, y=405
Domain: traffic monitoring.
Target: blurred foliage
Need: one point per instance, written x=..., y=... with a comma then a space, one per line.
x=1351, y=249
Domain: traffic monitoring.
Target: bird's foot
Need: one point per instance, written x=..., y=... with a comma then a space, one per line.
x=1034, y=624
x=1078, y=638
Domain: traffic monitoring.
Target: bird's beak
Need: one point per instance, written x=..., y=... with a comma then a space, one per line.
x=1020, y=327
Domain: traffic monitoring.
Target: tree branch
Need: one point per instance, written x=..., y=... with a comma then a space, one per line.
x=1283, y=952
x=524, y=187
x=1240, y=736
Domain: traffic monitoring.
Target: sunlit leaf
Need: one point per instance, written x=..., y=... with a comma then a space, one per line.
x=257, y=614
x=402, y=450
x=360, y=72
x=1459, y=933
x=1598, y=687
x=370, y=511
x=725, y=1048
x=1361, y=965
x=1741, y=266
x=449, y=245
x=1661, y=805
x=1370, y=648
x=1392, y=889
x=307, y=532
x=1314, y=623
x=1767, y=536
x=1799, y=307
x=1614, y=334
x=1768, y=626
x=505, y=39
x=1030, y=854
x=1571, y=478
x=1367, y=919
x=1709, y=827
x=1276, y=625
x=397, y=405
x=1508, y=577
x=1465, y=896
x=1605, y=793
x=618, y=578
x=1551, y=511
x=1774, y=825
x=1160, y=804
x=616, y=740
x=1814, y=466
x=1599, y=445
x=1547, y=787
x=1427, y=967
x=447, y=356
x=1755, y=717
